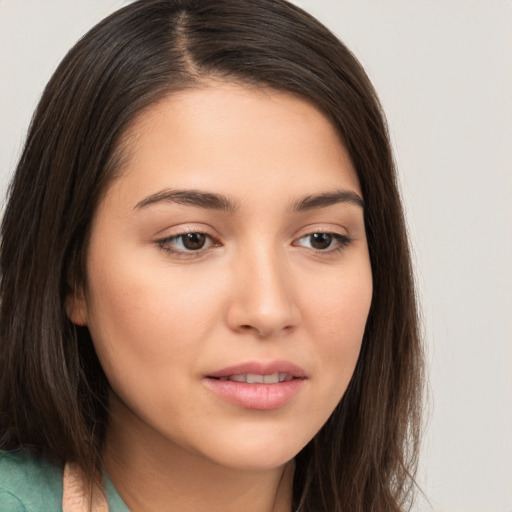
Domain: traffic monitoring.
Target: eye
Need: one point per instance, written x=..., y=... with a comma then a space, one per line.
x=186, y=243
x=324, y=242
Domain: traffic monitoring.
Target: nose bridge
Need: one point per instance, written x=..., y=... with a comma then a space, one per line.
x=264, y=301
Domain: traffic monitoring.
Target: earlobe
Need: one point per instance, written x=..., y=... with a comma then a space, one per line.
x=76, y=308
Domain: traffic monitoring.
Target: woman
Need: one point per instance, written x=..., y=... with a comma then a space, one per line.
x=207, y=300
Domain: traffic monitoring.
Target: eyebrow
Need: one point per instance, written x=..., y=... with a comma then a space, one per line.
x=326, y=199
x=212, y=201
x=207, y=200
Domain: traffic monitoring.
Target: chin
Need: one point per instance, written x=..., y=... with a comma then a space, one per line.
x=253, y=452
x=258, y=460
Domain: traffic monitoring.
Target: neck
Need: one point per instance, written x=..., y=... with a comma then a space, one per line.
x=153, y=474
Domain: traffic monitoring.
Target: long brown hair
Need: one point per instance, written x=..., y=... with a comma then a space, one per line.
x=53, y=392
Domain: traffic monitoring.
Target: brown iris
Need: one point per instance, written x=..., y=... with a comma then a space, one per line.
x=193, y=241
x=321, y=240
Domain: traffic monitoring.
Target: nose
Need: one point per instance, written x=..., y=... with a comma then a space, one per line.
x=263, y=301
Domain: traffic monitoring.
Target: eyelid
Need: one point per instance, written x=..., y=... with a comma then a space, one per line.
x=342, y=240
x=333, y=229
x=164, y=243
x=184, y=228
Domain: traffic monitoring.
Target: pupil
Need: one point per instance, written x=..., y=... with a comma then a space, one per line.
x=194, y=241
x=321, y=240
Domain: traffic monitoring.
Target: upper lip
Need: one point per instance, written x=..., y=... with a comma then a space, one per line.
x=260, y=368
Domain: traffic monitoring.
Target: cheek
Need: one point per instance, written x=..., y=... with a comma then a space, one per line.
x=339, y=305
x=145, y=315
x=338, y=318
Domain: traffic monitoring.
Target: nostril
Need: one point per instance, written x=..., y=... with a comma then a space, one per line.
x=264, y=332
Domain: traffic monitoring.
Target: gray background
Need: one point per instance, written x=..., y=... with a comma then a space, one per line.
x=443, y=70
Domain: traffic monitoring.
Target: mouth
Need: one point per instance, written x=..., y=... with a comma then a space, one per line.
x=258, y=372
x=255, y=378
x=258, y=386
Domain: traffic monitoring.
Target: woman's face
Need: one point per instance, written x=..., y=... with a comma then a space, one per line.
x=228, y=277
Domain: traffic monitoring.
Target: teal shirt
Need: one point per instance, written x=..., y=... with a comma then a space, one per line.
x=29, y=484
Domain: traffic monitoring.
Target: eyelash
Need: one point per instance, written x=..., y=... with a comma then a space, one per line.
x=341, y=242
x=165, y=244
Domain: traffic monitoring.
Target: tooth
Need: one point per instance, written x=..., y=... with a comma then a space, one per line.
x=271, y=379
x=253, y=378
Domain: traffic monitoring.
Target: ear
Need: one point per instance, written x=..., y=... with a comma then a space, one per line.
x=76, y=307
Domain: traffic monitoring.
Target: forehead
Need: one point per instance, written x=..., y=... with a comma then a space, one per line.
x=232, y=138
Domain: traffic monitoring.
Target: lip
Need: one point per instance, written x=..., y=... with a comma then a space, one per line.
x=261, y=368
x=263, y=397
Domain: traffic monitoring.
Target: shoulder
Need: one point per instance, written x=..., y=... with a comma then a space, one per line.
x=29, y=484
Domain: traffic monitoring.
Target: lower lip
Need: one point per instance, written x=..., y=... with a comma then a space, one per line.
x=262, y=397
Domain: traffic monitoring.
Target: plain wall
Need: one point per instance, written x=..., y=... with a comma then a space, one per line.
x=443, y=70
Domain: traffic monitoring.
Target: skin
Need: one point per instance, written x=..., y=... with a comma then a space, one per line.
x=163, y=319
